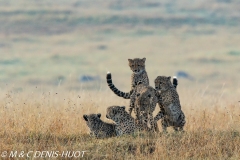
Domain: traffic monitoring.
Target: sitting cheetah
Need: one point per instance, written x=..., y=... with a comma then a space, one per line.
x=98, y=128
x=145, y=104
x=169, y=101
x=125, y=124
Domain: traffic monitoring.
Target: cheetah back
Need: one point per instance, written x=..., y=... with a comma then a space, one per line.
x=169, y=99
x=125, y=124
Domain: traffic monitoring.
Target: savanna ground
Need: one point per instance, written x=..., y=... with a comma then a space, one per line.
x=46, y=46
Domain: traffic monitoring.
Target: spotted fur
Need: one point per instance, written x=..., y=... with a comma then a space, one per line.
x=145, y=105
x=98, y=128
x=125, y=124
x=137, y=65
x=170, y=104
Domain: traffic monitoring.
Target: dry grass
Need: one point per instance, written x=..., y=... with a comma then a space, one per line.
x=47, y=45
x=52, y=121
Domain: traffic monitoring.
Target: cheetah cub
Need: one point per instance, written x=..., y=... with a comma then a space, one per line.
x=145, y=104
x=169, y=100
x=125, y=124
x=98, y=128
x=137, y=65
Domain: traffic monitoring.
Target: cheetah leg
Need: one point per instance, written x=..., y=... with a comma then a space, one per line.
x=132, y=104
x=182, y=123
x=153, y=125
x=164, y=126
x=131, y=107
x=160, y=115
x=156, y=129
x=137, y=113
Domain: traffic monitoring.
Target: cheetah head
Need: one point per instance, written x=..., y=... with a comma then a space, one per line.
x=137, y=65
x=145, y=98
x=162, y=83
x=115, y=112
x=92, y=120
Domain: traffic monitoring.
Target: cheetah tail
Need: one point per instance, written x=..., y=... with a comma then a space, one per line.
x=114, y=89
x=175, y=82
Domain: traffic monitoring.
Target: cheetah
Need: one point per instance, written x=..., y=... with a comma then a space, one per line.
x=125, y=124
x=141, y=90
x=145, y=104
x=137, y=65
x=98, y=128
x=169, y=101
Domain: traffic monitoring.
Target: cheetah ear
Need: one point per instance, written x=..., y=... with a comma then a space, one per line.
x=156, y=79
x=130, y=60
x=99, y=115
x=169, y=77
x=144, y=59
x=85, y=117
x=123, y=107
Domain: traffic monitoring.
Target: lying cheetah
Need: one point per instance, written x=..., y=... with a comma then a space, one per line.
x=98, y=128
x=169, y=100
x=125, y=124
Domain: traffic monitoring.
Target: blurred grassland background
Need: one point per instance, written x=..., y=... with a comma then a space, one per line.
x=47, y=46
x=44, y=42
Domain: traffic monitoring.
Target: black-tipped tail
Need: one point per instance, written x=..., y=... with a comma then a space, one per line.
x=114, y=89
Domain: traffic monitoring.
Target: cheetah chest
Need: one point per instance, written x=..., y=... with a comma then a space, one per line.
x=172, y=112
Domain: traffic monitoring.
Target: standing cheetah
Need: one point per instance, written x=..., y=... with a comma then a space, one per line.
x=139, y=75
x=145, y=104
x=169, y=100
x=137, y=65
